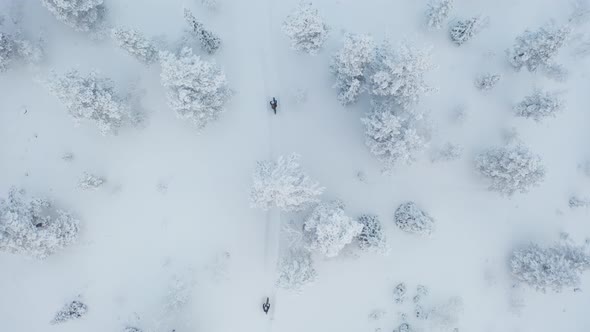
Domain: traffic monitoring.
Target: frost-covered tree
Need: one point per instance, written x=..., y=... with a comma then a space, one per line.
x=329, y=229
x=552, y=268
x=534, y=49
x=197, y=89
x=135, y=43
x=70, y=311
x=210, y=42
x=13, y=48
x=372, y=237
x=578, y=202
x=82, y=15
x=398, y=73
x=296, y=270
x=33, y=227
x=539, y=105
x=511, y=169
x=486, y=82
x=283, y=184
x=90, y=182
x=394, y=137
x=410, y=218
x=464, y=30
x=350, y=64
x=438, y=11
x=91, y=97
x=306, y=29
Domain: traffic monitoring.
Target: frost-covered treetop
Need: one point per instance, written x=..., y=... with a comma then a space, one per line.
x=539, y=105
x=283, y=184
x=135, y=43
x=438, y=12
x=350, y=64
x=306, y=29
x=82, y=15
x=534, y=49
x=197, y=89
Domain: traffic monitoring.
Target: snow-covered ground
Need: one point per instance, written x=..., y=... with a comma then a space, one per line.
x=175, y=208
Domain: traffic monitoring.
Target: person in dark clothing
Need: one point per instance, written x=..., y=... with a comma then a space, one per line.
x=266, y=306
x=273, y=104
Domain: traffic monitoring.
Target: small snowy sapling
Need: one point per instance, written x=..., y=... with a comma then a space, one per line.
x=486, y=82
x=539, y=105
x=372, y=237
x=72, y=310
x=438, y=12
x=210, y=42
x=306, y=29
x=534, y=49
x=410, y=218
x=90, y=182
x=349, y=66
x=463, y=31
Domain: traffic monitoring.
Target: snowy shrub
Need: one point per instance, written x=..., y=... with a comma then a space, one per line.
x=134, y=43
x=90, y=182
x=132, y=329
x=539, y=105
x=534, y=49
x=296, y=270
x=91, y=97
x=577, y=202
x=372, y=236
x=306, y=29
x=82, y=15
x=463, y=31
x=438, y=12
x=421, y=292
x=210, y=42
x=399, y=293
x=197, y=89
x=34, y=227
x=550, y=267
x=72, y=310
x=447, y=152
x=399, y=73
x=486, y=82
x=394, y=137
x=14, y=49
x=349, y=66
x=511, y=169
x=410, y=218
x=283, y=184
x=330, y=229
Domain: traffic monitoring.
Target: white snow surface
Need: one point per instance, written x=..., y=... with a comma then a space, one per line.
x=177, y=199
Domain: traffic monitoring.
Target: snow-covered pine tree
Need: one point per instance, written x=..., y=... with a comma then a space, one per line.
x=350, y=64
x=283, y=184
x=464, y=30
x=487, y=81
x=329, y=229
x=511, y=169
x=34, y=227
x=135, y=43
x=306, y=29
x=72, y=310
x=296, y=270
x=438, y=11
x=398, y=73
x=410, y=218
x=210, y=42
x=372, y=237
x=534, y=49
x=197, y=89
x=552, y=267
x=539, y=105
x=82, y=15
x=394, y=136
x=91, y=97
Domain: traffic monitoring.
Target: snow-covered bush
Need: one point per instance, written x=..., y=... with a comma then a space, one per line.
x=486, y=82
x=13, y=49
x=72, y=310
x=534, y=49
x=349, y=66
x=132, y=329
x=91, y=97
x=410, y=218
x=447, y=152
x=210, y=42
x=393, y=136
x=577, y=202
x=463, y=31
x=399, y=293
x=82, y=15
x=197, y=89
x=438, y=12
x=34, y=227
x=372, y=236
x=306, y=29
x=539, y=106
x=90, y=182
x=135, y=43
x=296, y=270
x=553, y=267
x=330, y=229
x=511, y=169
x=283, y=184
x=398, y=73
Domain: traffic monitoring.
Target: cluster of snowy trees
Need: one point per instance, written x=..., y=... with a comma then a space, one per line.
x=81, y=15
x=34, y=227
x=306, y=29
